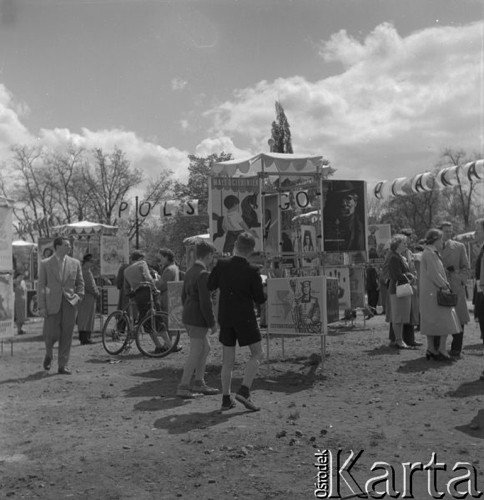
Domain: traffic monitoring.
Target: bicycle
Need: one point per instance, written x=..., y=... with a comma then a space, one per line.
x=151, y=333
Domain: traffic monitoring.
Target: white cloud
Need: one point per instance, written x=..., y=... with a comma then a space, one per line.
x=397, y=103
x=178, y=84
x=150, y=158
x=12, y=131
x=219, y=144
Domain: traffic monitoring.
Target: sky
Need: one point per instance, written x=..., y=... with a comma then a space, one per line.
x=380, y=88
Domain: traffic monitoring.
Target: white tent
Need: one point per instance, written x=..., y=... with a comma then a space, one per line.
x=270, y=163
x=85, y=228
x=23, y=243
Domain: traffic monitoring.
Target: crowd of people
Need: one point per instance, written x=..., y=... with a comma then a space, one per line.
x=67, y=294
x=407, y=285
x=437, y=263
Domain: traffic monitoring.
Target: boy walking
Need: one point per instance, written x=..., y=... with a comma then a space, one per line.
x=198, y=318
x=240, y=285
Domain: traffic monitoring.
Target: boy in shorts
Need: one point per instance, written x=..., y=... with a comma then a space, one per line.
x=198, y=318
x=240, y=285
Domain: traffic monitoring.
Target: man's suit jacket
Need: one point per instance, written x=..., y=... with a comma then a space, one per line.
x=240, y=286
x=52, y=286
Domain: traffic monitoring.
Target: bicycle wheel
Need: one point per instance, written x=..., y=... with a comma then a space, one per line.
x=152, y=336
x=115, y=332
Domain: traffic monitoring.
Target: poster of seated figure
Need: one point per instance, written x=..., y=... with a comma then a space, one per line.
x=235, y=208
x=296, y=304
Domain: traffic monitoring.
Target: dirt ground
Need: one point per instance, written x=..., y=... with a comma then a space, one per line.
x=115, y=430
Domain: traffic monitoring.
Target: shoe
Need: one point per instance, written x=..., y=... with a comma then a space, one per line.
x=443, y=356
x=228, y=406
x=87, y=342
x=21, y=332
x=204, y=389
x=455, y=354
x=64, y=371
x=47, y=362
x=247, y=402
x=178, y=348
x=401, y=345
x=432, y=355
x=185, y=393
x=415, y=343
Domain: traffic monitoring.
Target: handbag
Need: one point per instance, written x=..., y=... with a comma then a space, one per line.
x=404, y=290
x=446, y=298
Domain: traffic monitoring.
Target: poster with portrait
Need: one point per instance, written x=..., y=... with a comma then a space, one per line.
x=344, y=216
x=5, y=238
x=296, y=305
x=114, y=253
x=235, y=208
x=271, y=223
x=6, y=305
x=45, y=248
x=379, y=237
x=175, y=306
x=342, y=274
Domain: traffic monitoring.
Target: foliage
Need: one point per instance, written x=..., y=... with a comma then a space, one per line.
x=53, y=187
x=422, y=211
x=281, y=131
x=172, y=231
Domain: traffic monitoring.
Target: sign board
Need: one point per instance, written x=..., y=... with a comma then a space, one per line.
x=296, y=304
x=108, y=300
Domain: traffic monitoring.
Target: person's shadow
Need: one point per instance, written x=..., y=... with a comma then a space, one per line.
x=475, y=428
x=29, y=378
x=185, y=422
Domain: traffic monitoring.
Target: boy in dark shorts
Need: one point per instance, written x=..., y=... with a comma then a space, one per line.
x=240, y=285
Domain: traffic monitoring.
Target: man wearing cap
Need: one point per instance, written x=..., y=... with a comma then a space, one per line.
x=342, y=221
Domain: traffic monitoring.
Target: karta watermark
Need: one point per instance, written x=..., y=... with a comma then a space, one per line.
x=388, y=481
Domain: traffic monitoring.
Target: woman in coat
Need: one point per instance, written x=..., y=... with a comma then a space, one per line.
x=87, y=307
x=478, y=299
x=435, y=320
x=399, y=272
x=20, y=301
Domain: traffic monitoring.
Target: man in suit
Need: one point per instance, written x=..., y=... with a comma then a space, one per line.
x=60, y=289
x=240, y=285
x=456, y=263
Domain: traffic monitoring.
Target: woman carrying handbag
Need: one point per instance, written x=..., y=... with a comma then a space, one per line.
x=435, y=320
x=400, y=276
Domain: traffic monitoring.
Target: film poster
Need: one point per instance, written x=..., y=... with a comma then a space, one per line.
x=296, y=305
x=236, y=207
x=114, y=253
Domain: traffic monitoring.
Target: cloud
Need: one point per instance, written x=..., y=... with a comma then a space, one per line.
x=219, y=144
x=12, y=131
x=150, y=158
x=178, y=84
x=396, y=104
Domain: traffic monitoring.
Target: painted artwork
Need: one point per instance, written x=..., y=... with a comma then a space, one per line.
x=344, y=216
x=342, y=274
x=296, y=305
x=271, y=224
x=114, y=253
x=236, y=208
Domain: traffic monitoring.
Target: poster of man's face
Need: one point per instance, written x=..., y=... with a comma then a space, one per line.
x=344, y=216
